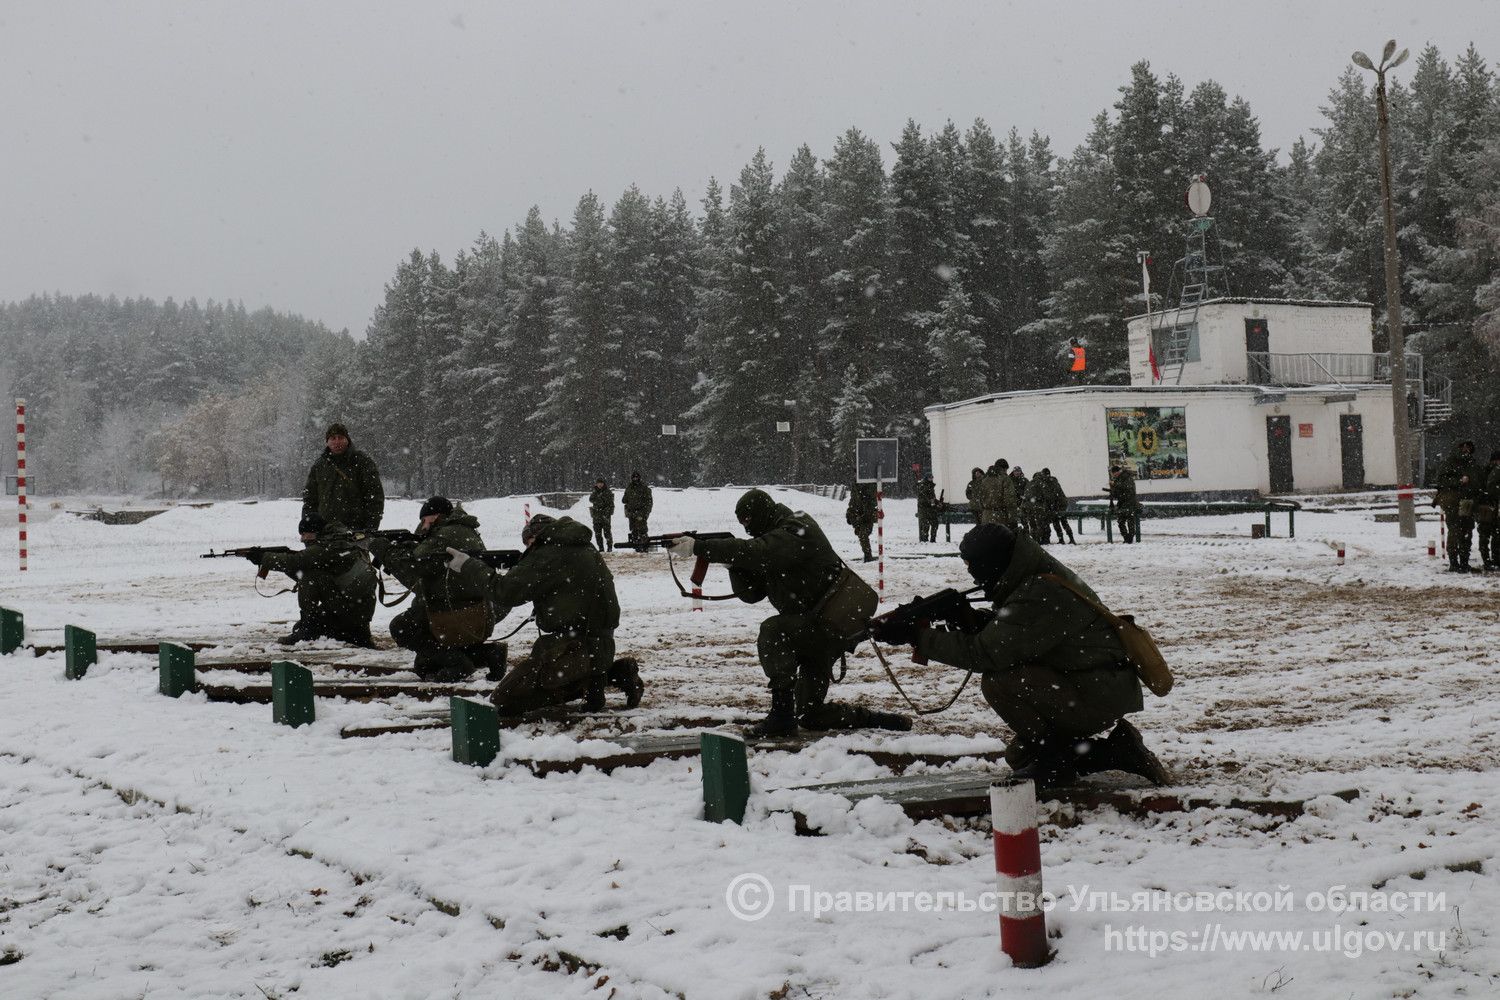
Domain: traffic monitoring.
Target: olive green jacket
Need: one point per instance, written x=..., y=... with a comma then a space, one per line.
x=1122, y=490
x=1050, y=492
x=1038, y=623
x=345, y=488
x=927, y=498
x=793, y=564
x=637, y=500
x=997, y=497
x=1451, y=489
x=602, y=504
x=562, y=576
x=863, y=508
x=334, y=579
x=423, y=567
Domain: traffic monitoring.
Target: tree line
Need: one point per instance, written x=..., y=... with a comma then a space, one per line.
x=840, y=295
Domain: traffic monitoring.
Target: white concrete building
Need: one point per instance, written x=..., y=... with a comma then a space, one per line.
x=1247, y=397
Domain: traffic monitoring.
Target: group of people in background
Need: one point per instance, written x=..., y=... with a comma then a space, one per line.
x=1004, y=495
x=1468, y=494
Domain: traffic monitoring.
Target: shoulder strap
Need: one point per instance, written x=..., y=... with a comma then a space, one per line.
x=1072, y=588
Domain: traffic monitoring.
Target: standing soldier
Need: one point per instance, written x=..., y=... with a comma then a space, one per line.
x=928, y=509
x=974, y=492
x=572, y=594
x=997, y=496
x=821, y=605
x=1055, y=505
x=637, y=509
x=344, y=485
x=1485, y=514
x=1458, y=488
x=335, y=583
x=861, y=515
x=1026, y=511
x=450, y=617
x=1121, y=491
x=602, y=510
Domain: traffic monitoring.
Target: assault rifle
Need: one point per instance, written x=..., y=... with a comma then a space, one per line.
x=700, y=564
x=251, y=552
x=501, y=558
x=390, y=534
x=950, y=606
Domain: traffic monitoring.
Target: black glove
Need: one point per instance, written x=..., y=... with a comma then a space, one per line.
x=895, y=633
x=255, y=554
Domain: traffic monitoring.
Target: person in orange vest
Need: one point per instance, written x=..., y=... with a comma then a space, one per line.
x=1080, y=364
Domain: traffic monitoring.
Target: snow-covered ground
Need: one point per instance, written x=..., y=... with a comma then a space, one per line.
x=160, y=848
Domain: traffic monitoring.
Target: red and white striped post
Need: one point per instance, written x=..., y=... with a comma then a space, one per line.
x=880, y=537
x=1018, y=872
x=1340, y=547
x=1443, y=531
x=21, y=475
x=526, y=513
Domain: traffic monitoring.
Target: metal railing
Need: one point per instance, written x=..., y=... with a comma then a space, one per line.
x=1327, y=369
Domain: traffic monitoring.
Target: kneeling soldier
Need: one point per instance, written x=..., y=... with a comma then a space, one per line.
x=1051, y=665
x=821, y=605
x=450, y=618
x=335, y=583
x=572, y=594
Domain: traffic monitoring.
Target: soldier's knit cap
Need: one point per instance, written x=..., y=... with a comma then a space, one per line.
x=988, y=550
x=336, y=430
x=756, y=511
x=311, y=524
x=436, y=505
x=534, y=527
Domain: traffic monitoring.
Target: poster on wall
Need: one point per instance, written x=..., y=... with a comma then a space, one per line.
x=1152, y=438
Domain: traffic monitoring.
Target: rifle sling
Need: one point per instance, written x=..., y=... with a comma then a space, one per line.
x=687, y=593
x=902, y=691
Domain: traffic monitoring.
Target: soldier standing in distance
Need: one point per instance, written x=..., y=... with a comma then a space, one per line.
x=928, y=510
x=861, y=515
x=602, y=510
x=1459, y=487
x=638, y=502
x=1127, y=507
x=344, y=484
x=1485, y=514
x=1055, y=505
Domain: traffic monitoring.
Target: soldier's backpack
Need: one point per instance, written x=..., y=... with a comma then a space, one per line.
x=1140, y=649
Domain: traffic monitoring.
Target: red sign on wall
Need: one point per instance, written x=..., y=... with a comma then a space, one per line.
x=1304, y=430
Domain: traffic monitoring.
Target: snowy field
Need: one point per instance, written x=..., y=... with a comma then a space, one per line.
x=160, y=848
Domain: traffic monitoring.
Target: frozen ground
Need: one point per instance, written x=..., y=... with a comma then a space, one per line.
x=160, y=848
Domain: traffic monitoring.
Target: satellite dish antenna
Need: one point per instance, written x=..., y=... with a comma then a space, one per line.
x=1199, y=198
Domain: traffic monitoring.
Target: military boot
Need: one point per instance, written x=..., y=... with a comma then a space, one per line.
x=299, y=633
x=594, y=700
x=1453, y=565
x=493, y=657
x=894, y=721
x=781, y=720
x=1124, y=750
x=1054, y=766
x=625, y=674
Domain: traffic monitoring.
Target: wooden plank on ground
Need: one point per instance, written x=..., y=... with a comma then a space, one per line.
x=347, y=690
x=966, y=793
x=147, y=648
x=264, y=667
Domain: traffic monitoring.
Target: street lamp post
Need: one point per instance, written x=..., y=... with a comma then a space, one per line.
x=1405, y=505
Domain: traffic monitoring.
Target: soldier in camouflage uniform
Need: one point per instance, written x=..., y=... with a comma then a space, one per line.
x=335, y=583
x=1460, y=485
x=572, y=594
x=637, y=503
x=822, y=608
x=861, y=514
x=1127, y=507
x=997, y=496
x=1027, y=510
x=928, y=509
x=602, y=511
x=450, y=618
x=1051, y=665
x=1054, y=504
x=974, y=491
x=344, y=485
x=1485, y=514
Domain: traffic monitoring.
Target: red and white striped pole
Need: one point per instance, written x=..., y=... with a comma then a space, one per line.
x=880, y=537
x=1340, y=547
x=21, y=475
x=526, y=513
x=1018, y=872
x=1443, y=531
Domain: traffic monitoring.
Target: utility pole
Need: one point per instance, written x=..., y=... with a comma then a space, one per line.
x=1405, y=505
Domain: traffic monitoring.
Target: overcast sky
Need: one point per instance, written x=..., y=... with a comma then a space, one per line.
x=290, y=154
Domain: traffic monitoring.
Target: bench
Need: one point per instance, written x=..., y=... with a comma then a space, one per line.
x=1152, y=509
